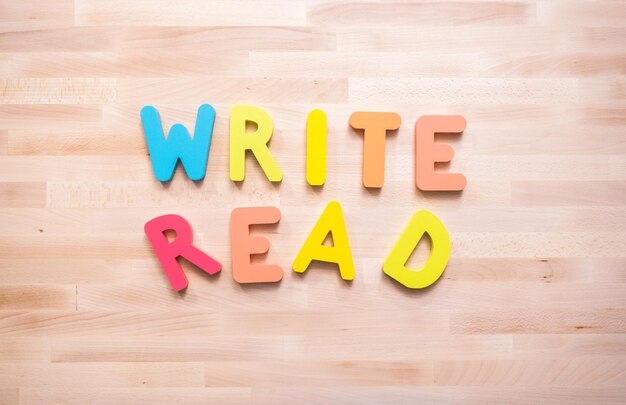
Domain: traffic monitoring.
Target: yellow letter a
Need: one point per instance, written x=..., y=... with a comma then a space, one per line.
x=331, y=221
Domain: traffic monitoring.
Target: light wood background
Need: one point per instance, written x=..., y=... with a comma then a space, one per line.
x=532, y=307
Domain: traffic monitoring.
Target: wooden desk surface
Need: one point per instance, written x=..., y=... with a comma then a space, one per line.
x=532, y=307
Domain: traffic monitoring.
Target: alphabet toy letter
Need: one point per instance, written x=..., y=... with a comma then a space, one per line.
x=240, y=141
x=375, y=126
x=167, y=252
x=313, y=249
x=316, y=148
x=395, y=263
x=164, y=153
x=427, y=153
x=243, y=245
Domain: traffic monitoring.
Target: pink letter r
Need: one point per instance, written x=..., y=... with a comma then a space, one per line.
x=168, y=252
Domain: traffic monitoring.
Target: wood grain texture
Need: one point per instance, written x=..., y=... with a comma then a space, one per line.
x=532, y=306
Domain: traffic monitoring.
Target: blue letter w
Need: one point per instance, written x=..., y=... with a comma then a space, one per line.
x=164, y=153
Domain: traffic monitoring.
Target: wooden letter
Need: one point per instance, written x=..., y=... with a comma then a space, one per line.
x=243, y=245
x=427, y=153
x=240, y=141
x=395, y=263
x=316, y=148
x=165, y=153
x=375, y=126
x=167, y=252
x=313, y=249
